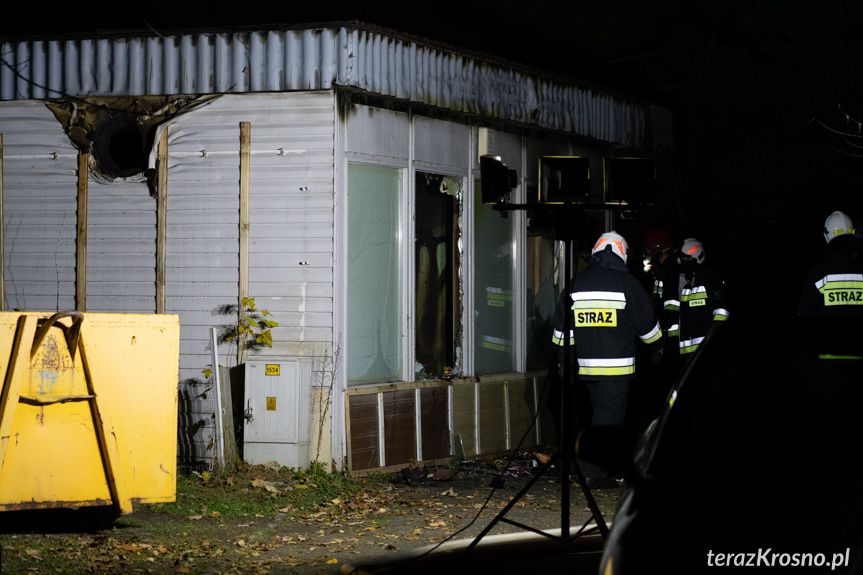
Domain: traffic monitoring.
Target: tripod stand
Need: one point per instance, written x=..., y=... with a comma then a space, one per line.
x=566, y=451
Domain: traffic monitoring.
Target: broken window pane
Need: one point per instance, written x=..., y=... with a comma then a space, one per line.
x=438, y=287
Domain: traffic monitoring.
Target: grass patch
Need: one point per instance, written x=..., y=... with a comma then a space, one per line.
x=247, y=490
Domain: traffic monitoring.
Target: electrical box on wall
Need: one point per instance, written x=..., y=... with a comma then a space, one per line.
x=277, y=412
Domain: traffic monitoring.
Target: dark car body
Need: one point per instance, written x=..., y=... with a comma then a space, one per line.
x=755, y=461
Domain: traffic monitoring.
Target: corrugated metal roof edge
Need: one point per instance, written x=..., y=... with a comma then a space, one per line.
x=348, y=24
x=359, y=55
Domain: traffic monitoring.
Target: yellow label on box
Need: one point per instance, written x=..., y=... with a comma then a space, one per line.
x=272, y=369
x=271, y=404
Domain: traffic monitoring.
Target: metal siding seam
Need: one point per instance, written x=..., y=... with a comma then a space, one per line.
x=598, y=109
x=119, y=79
x=344, y=53
x=370, y=69
x=377, y=64
x=308, y=55
x=39, y=79
x=55, y=68
x=238, y=65
x=394, y=64
x=275, y=64
x=22, y=67
x=389, y=80
x=328, y=59
x=221, y=64
x=71, y=70
x=256, y=68
x=151, y=59
x=428, y=80
x=398, y=70
x=606, y=120
x=446, y=84
x=292, y=66
x=173, y=57
x=203, y=64
x=436, y=84
x=87, y=59
x=6, y=77
x=411, y=62
x=186, y=65
x=470, y=86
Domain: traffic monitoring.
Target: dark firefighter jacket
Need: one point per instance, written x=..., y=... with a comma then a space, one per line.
x=834, y=286
x=608, y=309
x=703, y=299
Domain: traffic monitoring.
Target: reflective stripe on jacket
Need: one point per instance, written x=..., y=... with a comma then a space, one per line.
x=608, y=311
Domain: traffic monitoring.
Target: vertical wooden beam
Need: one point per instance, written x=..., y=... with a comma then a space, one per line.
x=245, y=158
x=2, y=235
x=162, y=221
x=81, y=250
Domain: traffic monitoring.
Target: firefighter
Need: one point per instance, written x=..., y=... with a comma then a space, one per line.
x=659, y=257
x=835, y=285
x=660, y=261
x=702, y=297
x=610, y=310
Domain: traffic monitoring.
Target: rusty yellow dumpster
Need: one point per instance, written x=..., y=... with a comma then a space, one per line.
x=88, y=411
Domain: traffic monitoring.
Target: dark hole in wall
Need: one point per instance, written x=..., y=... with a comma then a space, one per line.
x=119, y=148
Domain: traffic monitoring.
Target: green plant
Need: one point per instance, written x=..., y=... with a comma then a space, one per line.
x=253, y=325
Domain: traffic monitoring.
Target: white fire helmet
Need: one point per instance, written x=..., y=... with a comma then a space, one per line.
x=694, y=249
x=837, y=224
x=616, y=241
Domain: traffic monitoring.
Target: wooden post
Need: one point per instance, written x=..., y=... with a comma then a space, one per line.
x=81, y=249
x=245, y=158
x=162, y=221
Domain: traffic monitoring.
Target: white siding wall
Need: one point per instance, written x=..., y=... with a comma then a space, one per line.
x=291, y=222
x=121, y=248
x=40, y=190
x=290, y=230
x=290, y=233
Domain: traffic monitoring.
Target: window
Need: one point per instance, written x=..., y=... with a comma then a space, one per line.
x=390, y=332
x=438, y=285
x=493, y=274
x=374, y=275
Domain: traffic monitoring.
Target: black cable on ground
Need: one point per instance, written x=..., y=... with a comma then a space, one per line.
x=495, y=485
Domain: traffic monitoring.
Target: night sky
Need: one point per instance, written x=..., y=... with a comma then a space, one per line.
x=762, y=91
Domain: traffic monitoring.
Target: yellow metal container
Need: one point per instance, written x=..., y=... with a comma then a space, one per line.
x=88, y=411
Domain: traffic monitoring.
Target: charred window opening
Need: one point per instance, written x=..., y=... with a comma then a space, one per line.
x=438, y=289
x=378, y=260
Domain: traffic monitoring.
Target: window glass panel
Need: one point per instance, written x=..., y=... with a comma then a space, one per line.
x=493, y=273
x=438, y=289
x=374, y=302
x=544, y=281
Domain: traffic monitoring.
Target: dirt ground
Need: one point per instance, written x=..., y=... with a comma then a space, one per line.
x=413, y=511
